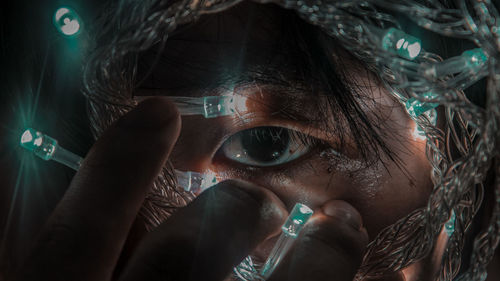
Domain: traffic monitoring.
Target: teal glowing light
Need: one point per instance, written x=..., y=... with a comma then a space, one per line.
x=43, y=146
x=196, y=182
x=47, y=148
x=208, y=106
x=449, y=226
x=475, y=58
x=298, y=217
x=415, y=107
x=216, y=106
x=402, y=44
x=67, y=21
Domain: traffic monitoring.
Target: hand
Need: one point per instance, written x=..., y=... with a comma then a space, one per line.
x=84, y=237
x=330, y=247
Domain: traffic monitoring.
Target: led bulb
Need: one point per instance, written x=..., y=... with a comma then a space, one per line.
x=298, y=217
x=208, y=106
x=416, y=107
x=475, y=58
x=47, y=148
x=196, y=182
x=42, y=145
x=469, y=61
x=67, y=21
x=449, y=226
x=400, y=43
x=216, y=106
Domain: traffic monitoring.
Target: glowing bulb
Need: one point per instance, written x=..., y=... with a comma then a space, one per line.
x=416, y=107
x=414, y=50
x=196, y=182
x=26, y=137
x=208, y=106
x=47, y=148
x=43, y=146
x=400, y=43
x=449, y=226
x=475, y=58
x=298, y=217
x=215, y=106
x=67, y=21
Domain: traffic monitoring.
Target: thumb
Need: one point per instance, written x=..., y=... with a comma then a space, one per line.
x=330, y=247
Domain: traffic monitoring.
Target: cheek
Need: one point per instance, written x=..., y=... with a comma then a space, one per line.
x=394, y=190
x=381, y=194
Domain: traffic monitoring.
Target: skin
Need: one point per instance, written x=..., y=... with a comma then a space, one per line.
x=86, y=234
x=381, y=192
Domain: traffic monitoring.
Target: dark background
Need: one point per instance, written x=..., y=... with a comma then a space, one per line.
x=39, y=87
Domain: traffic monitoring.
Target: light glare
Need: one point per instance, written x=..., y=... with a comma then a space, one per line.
x=26, y=137
x=67, y=21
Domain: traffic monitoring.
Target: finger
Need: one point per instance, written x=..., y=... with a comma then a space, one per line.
x=330, y=247
x=205, y=240
x=85, y=234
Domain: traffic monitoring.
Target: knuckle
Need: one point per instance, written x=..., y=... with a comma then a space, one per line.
x=335, y=241
x=239, y=193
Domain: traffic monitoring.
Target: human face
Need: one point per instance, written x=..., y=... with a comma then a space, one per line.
x=229, y=53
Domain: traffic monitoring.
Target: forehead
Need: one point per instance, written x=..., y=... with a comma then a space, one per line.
x=237, y=44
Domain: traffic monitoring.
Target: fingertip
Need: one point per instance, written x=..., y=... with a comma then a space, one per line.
x=271, y=210
x=344, y=212
x=153, y=113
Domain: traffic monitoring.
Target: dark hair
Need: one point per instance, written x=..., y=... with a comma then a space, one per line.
x=312, y=62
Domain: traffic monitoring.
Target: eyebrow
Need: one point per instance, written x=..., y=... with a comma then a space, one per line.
x=275, y=101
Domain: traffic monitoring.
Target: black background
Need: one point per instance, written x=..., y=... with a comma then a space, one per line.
x=39, y=87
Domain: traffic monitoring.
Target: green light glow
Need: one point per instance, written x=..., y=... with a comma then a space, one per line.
x=41, y=145
x=449, y=226
x=27, y=137
x=475, y=57
x=297, y=219
x=415, y=107
x=216, y=106
x=402, y=44
x=67, y=21
x=31, y=139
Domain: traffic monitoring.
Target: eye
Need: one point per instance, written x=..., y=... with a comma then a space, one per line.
x=265, y=146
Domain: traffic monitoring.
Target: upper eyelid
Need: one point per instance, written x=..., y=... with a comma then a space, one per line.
x=310, y=148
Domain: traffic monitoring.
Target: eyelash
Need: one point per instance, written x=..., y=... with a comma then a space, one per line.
x=307, y=145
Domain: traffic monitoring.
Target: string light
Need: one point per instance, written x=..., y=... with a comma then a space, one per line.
x=402, y=44
x=295, y=222
x=449, y=226
x=415, y=107
x=470, y=61
x=67, y=21
x=48, y=148
x=207, y=106
x=196, y=182
x=362, y=29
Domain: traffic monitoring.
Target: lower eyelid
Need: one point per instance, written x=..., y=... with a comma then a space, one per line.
x=221, y=162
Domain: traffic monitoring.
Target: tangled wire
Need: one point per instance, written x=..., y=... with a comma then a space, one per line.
x=460, y=154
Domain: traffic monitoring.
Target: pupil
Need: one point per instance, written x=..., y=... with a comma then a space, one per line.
x=265, y=144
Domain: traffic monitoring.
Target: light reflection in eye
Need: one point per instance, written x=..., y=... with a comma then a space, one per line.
x=264, y=146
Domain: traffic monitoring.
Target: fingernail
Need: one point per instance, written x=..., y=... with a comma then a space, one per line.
x=343, y=211
x=150, y=114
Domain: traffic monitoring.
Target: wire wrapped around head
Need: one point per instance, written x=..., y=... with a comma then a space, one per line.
x=361, y=27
